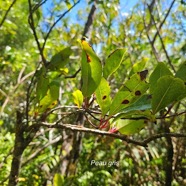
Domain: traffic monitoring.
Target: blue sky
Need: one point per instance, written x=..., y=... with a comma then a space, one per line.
x=125, y=7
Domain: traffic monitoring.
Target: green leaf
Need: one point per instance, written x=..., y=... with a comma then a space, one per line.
x=160, y=71
x=132, y=90
x=78, y=98
x=113, y=62
x=42, y=84
x=142, y=103
x=181, y=73
x=139, y=66
x=91, y=69
x=128, y=127
x=58, y=180
x=60, y=59
x=50, y=99
x=103, y=96
x=167, y=90
x=136, y=114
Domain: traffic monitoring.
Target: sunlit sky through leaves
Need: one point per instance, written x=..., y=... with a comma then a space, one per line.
x=125, y=8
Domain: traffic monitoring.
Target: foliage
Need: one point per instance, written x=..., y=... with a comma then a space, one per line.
x=76, y=114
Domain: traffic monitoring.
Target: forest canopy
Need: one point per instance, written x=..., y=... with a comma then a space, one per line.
x=92, y=92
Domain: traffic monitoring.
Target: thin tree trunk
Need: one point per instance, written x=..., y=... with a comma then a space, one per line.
x=18, y=151
x=169, y=160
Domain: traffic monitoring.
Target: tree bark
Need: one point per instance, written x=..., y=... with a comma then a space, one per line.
x=169, y=160
x=18, y=151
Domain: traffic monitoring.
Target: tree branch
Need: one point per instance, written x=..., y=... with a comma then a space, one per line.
x=161, y=24
x=151, y=43
x=73, y=75
x=6, y=14
x=89, y=20
x=32, y=26
x=54, y=24
x=162, y=43
x=125, y=138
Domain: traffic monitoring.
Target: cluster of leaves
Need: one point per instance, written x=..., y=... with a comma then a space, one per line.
x=132, y=101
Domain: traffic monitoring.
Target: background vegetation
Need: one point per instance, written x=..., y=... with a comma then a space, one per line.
x=53, y=141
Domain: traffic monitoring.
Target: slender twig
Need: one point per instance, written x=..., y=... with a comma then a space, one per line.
x=28, y=94
x=38, y=151
x=74, y=75
x=6, y=14
x=3, y=93
x=162, y=43
x=161, y=24
x=162, y=135
x=39, y=5
x=19, y=81
x=89, y=121
x=151, y=43
x=54, y=24
x=173, y=115
x=90, y=113
x=32, y=26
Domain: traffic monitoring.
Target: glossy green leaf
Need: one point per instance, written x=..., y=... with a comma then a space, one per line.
x=113, y=62
x=160, y=71
x=91, y=69
x=78, y=98
x=143, y=103
x=132, y=90
x=60, y=59
x=58, y=180
x=50, y=99
x=103, y=96
x=136, y=114
x=167, y=90
x=129, y=127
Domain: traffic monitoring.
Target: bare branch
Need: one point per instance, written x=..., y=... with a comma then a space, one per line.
x=162, y=135
x=93, y=131
x=54, y=24
x=74, y=75
x=125, y=138
x=32, y=26
x=151, y=43
x=161, y=24
x=163, y=46
x=39, y=5
x=89, y=20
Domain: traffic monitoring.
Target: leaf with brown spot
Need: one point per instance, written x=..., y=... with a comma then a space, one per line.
x=131, y=91
x=103, y=96
x=125, y=102
x=88, y=58
x=137, y=93
x=91, y=69
x=143, y=74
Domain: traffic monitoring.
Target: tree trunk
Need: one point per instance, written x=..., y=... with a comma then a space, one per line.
x=18, y=151
x=169, y=160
